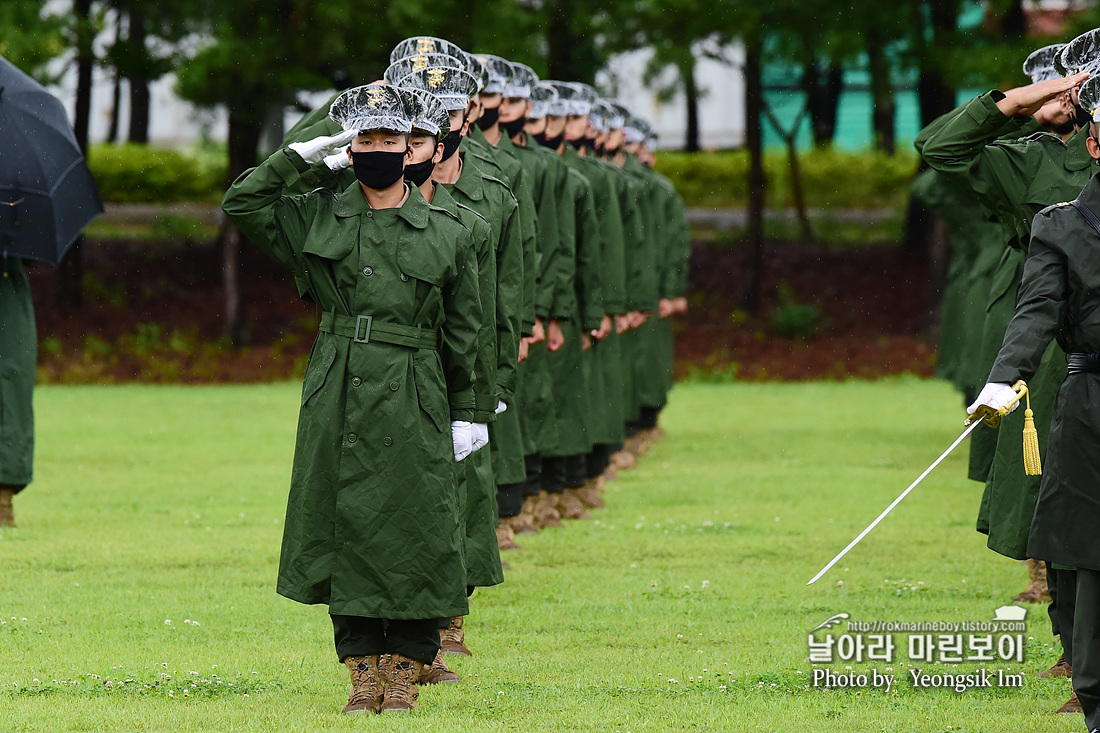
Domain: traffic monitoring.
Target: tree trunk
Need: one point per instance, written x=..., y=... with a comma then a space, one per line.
x=139, y=83
x=882, y=95
x=116, y=92
x=70, y=275
x=754, y=99
x=939, y=259
x=244, y=140
x=691, y=99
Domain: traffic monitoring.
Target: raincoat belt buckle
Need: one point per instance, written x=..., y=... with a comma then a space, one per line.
x=360, y=329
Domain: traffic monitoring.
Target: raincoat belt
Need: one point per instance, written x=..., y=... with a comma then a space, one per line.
x=1078, y=363
x=365, y=329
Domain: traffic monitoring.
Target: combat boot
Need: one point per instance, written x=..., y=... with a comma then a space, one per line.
x=623, y=460
x=451, y=640
x=1061, y=668
x=546, y=513
x=569, y=505
x=438, y=673
x=7, y=515
x=1037, y=590
x=366, y=684
x=401, y=692
x=506, y=538
x=522, y=523
x=589, y=494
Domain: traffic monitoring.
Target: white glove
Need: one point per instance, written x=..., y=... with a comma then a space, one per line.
x=462, y=438
x=479, y=431
x=995, y=395
x=501, y=407
x=315, y=150
x=338, y=161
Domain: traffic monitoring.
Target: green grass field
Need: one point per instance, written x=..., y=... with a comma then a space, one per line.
x=138, y=592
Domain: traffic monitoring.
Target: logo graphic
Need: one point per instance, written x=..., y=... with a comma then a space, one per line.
x=425, y=45
x=830, y=622
x=1009, y=613
x=419, y=62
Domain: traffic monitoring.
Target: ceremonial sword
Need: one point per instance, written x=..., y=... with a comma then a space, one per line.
x=984, y=413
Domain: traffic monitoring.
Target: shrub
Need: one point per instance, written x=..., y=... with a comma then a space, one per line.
x=829, y=178
x=130, y=173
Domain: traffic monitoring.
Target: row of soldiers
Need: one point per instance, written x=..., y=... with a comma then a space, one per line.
x=996, y=164
x=538, y=327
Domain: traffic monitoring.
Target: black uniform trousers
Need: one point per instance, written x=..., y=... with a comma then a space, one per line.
x=357, y=636
x=1079, y=622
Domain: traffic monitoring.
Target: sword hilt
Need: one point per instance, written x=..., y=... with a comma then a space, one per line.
x=991, y=416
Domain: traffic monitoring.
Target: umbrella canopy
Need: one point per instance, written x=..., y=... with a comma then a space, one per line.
x=47, y=194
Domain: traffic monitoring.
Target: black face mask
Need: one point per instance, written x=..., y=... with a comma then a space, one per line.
x=417, y=173
x=1083, y=117
x=578, y=143
x=379, y=170
x=514, y=127
x=450, y=143
x=539, y=137
x=488, y=118
x=1064, y=129
x=552, y=142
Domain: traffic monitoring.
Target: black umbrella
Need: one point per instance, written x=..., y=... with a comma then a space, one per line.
x=47, y=194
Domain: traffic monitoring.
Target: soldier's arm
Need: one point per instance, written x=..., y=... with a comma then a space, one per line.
x=511, y=271
x=1041, y=299
x=462, y=320
x=963, y=150
x=259, y=204
x=611, y=250
x=589, y=274
x=485, y=363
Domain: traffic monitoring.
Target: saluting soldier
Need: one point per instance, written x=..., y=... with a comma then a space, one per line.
x=1059, y=300
x=1016, y=179
x=18, y=353
x=374, y=525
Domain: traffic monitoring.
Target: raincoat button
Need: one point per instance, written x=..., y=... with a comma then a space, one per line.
x=394, y=386
x=388, y=441
x=352, y=437
x=404, y=278
x=368, y=271
x=370, y=214
x=356, y=381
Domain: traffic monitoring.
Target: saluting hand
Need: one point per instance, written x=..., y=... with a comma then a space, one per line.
x=1027, y=100
x=316, y=150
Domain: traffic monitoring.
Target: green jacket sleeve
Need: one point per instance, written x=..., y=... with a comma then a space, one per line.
x=588, y=281
x=511, y=272
x=962, y=150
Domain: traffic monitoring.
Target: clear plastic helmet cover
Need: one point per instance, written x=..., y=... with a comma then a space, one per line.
x=613, y=117
x=398, y=70
x=498, y=72
x=601, y=110
x=624, y=113
x=567, y=93
x=651, y=141
x=542, y=95
x=1039, y=65
x=371, y=107
x=583, y=99
x=635, y=129
x=420, y=45
x=1082, y=53
x=520, y=82
x=427, y=112
x=453, y=87
x=1089, y=97
x=555, y=105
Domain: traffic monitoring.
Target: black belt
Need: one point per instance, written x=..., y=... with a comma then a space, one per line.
x=365, y=329
x=1079, y=363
